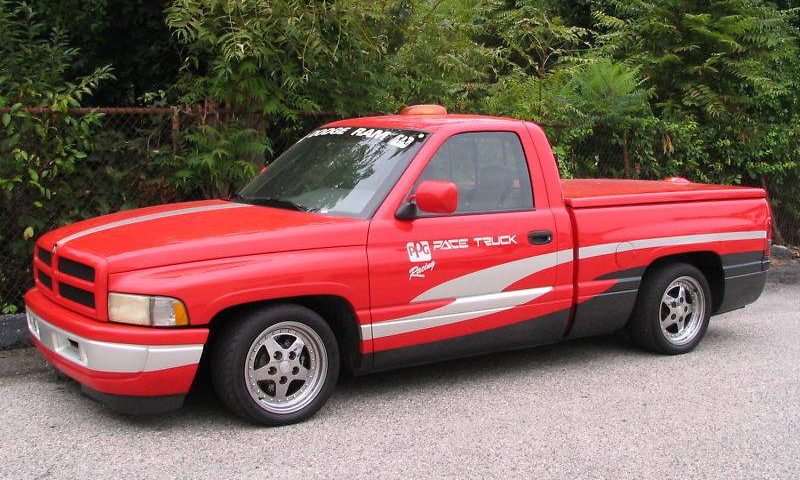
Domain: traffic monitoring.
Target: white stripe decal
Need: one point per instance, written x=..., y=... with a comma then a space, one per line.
x=147, y=218
x=494, y=279
x=609, y=248
x=470, y=291
x=464, y=308
x=475, y=295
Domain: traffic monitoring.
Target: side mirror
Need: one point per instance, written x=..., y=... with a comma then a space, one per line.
x=437, y=196
x=432, y=196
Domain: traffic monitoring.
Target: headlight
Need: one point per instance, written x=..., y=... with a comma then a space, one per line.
x=146, y=310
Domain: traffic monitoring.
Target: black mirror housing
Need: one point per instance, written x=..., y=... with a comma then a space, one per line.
x=407, y=211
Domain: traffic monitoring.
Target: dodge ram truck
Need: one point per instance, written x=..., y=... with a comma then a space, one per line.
x=383, y=242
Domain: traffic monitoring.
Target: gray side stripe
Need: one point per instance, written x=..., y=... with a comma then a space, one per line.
x=465, y=308
x=474, y=293
x=146, y=218
x=494, y=279
x=609, y=248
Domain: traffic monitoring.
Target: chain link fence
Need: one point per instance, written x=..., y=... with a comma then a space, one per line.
x=122, y=162
x=130, y=160
x=785, y=202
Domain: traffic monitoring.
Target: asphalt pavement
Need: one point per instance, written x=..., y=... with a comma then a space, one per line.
x=592, y=408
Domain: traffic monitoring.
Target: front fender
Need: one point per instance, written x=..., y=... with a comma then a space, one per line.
x=210, y=286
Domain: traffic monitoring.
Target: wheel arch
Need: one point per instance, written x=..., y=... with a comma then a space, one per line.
x=708, y=262
x=337, y=312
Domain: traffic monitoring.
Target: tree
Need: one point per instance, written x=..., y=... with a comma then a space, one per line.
x=613, y=98
x=255, y=66
x=716, y=60
x=531, y=43
x=130, y=35
x=434, y=56
x=37, y=152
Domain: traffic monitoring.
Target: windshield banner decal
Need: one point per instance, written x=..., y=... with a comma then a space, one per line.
x=397, y=138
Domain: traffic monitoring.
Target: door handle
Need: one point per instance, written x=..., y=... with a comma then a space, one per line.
x=540, y=237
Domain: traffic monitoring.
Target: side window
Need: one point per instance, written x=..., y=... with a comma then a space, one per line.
x=489, y=169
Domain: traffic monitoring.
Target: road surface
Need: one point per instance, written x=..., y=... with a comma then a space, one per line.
x=593, y=408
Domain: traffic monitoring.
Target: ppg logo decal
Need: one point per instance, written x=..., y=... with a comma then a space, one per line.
x=418, y=251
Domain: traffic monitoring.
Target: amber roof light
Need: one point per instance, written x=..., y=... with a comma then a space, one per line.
x=679, y=180
x=424, y=110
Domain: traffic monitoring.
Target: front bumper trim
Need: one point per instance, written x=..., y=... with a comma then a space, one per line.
x=108, y=356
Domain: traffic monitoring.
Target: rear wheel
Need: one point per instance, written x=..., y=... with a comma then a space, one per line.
x=276, y=366
x=672, y=310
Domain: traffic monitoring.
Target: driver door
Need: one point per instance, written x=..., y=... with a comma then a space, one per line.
x=469, y=282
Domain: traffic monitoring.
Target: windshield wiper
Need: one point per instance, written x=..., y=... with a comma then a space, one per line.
x=271, y=202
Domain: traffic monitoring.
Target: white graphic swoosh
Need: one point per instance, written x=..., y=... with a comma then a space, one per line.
x=494, y=279
x=481, y=293
x=609, y=248
x=461, y=309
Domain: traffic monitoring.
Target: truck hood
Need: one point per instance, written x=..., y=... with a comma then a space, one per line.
x=194, y=231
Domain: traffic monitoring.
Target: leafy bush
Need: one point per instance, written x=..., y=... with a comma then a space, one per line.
x=38, y=152
x=729, y=66
x=218, y=160
x=255, y=67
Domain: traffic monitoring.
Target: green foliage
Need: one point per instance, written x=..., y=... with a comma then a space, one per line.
x=34, y=60
x=217, y=159
x=433, y=56
x=535, y=49
x=705, y=89
x=729, y=66
x=702, y=88
x=39, y=154
x=530, y=35
x=37, y=150
x=258, y=66
x=521, y=95
x=130, y=34
x=714, y=60
x=610, y=94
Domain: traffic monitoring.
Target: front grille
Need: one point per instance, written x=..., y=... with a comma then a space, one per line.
x=45, y=256
x=46, y=280
x=75, y=269
x=76, y=284
x=77, y=295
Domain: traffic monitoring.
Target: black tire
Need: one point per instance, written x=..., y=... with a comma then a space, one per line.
x=229, y=357
x=644, y=325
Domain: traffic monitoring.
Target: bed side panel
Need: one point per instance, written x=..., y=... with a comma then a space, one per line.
x=617, y=244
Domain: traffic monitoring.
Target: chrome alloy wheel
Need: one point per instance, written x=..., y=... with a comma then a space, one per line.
x=683, y=309
x=286, y=367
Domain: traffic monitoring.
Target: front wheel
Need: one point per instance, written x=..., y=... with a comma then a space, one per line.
x=275, y=366
x=672, y=310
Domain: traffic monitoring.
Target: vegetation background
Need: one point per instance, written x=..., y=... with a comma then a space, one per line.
x=638, y=88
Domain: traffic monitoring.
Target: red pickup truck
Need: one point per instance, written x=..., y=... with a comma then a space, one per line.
x=381, y=242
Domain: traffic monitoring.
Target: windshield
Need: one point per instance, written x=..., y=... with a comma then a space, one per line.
x=340, y=170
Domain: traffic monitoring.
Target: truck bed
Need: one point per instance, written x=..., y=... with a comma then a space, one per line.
x=591, y=193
